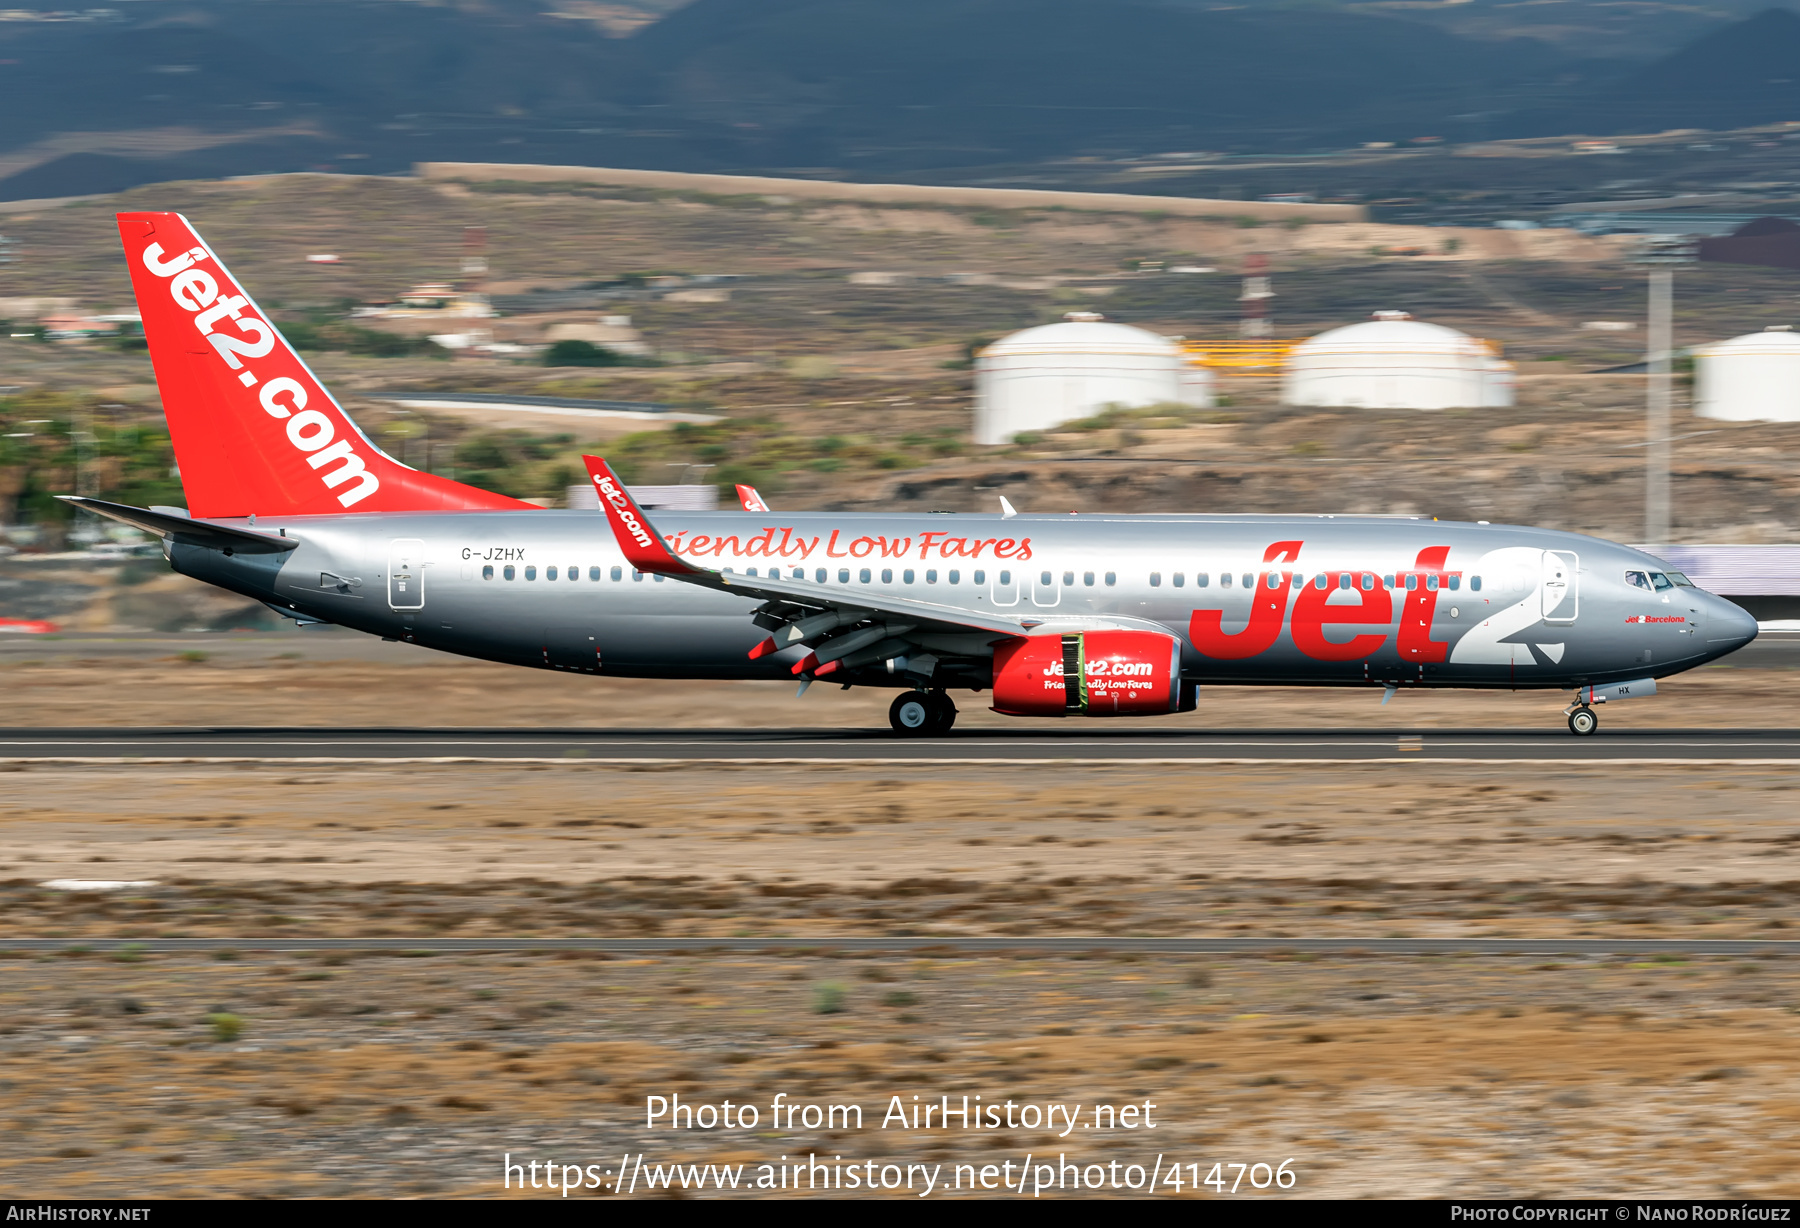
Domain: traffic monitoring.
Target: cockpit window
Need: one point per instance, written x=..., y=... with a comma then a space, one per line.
x=1680, y=580
x=1637, y=579
x=1661, y=581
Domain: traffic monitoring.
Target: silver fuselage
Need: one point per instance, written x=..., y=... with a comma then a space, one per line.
x=1493, y=606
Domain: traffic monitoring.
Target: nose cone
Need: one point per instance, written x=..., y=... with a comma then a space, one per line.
x=1728, y=626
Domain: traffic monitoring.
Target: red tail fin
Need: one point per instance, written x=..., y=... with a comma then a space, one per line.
x=254, y=430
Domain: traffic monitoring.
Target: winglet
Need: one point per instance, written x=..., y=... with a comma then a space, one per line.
x=1007, y=510
x=643, y=549
x=752, y=501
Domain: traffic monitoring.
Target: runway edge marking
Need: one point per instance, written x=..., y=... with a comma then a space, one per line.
x=868, y=761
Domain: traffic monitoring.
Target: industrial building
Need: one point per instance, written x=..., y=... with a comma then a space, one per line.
x=1393, y=361
x=1751, y=378
x=1042, y=377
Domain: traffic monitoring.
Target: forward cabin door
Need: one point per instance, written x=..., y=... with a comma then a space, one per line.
x=406, y=574
x=1561, y=590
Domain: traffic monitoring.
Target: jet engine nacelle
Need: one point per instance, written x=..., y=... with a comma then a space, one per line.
x=1115, y=673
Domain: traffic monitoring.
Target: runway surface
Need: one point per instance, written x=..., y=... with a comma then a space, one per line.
x=926, y=945
x=1065, y=741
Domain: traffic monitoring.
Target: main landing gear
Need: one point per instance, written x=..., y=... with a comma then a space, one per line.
x=922, y=713
x=1583, y=720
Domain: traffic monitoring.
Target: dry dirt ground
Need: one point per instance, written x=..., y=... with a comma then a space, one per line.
x=344, y=1075
x=1426, y=849
x=1373, y=1076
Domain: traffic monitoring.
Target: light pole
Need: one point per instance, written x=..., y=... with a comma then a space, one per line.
x=1661, y=253
x=1656, y=398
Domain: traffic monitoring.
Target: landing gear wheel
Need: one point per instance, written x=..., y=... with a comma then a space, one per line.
x=1583, y=721
x=943, y=712
x=911, y=714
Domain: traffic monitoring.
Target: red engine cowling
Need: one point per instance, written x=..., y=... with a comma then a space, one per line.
x=1122, y=673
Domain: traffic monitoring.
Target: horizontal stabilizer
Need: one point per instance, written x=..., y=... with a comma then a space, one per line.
x=219, y=536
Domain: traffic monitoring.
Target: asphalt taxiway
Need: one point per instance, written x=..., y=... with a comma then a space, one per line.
x=1065, y=743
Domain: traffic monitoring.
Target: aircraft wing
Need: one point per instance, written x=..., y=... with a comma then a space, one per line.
x=797, y=612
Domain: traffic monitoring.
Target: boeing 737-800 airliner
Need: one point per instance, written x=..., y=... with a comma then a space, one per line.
x=1092, y=615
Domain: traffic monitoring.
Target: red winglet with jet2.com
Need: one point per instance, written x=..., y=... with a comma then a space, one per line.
x=643, y=548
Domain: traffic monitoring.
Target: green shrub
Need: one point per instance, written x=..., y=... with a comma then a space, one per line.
x=583, y=354
x=226, y=1027
x=828, y=999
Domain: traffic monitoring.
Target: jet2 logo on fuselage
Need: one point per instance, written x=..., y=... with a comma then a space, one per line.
x=1371, y=605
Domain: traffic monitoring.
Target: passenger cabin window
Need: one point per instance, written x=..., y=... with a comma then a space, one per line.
x=980, y=577
x=1006, y=577
x=1112, y=578
x=1660, y=581
x=594, y=574
x=1368, y=582
x=887, y=575
x=636, y=575
x=1087, y=578
x=931, y=576
x=865, y=573
x=1431, y=584
x=531, y=573
x=907, y=575
x=1156, y=579
x=618, y=574
x=819, y=575
x=487, y=573
x=1045, y=580
x=1321, y=581
x=1637, y=579
x=508, y=573
x=1387, y=582
x=1455, y=583
x=955, y=576
x=1412, y=582
x=1225, y=579
x=1179, y=580
x=843, y=575
x=1249, y=580
x=1474, y=584
x=1201, y=578
x=549, y=573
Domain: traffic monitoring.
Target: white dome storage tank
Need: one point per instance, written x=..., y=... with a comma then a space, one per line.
x=1393, y=361
x=1750, y=378
x=1042, y=377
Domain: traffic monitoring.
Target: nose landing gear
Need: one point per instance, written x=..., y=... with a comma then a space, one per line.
x=922, y=713
x=1583, y=720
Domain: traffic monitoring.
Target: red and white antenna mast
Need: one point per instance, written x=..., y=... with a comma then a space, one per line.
x=474, y=259
x=1254, y=321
